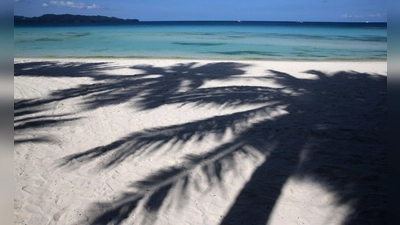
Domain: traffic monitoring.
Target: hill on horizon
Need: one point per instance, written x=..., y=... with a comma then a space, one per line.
x=69, y=18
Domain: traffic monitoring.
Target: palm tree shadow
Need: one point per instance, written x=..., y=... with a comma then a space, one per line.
x=334, y=133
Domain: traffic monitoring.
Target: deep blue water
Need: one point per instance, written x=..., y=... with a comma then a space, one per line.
x=206, y=40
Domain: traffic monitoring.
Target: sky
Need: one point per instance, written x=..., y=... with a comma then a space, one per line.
x=250, y=10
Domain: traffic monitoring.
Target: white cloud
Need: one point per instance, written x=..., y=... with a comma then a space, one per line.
x=347, y=16
x=378, y=15
x=93, y=6
x=77, y=5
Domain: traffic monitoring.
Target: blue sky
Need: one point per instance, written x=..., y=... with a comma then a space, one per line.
x=255, y=10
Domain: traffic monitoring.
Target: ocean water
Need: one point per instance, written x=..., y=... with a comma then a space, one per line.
x=206, y=40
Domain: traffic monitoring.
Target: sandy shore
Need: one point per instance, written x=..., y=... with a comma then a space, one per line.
x=134, y=141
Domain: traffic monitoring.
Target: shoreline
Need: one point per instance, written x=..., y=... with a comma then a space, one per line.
x=376, y=67
x=200, y=59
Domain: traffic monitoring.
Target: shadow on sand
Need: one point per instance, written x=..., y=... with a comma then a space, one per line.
x=30, y=115
x=334, y=133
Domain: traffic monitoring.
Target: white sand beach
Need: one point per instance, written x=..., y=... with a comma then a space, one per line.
x=157, y=141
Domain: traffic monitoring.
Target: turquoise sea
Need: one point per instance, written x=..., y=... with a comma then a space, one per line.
x=206, y=40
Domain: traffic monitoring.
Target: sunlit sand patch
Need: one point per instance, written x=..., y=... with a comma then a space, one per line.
x=308, y=202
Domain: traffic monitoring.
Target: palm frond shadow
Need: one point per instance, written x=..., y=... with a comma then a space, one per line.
x=142, y=90
x=146, y=142
x=333, y=132
x=58, y=69
x=150, y=88
x=31, y=115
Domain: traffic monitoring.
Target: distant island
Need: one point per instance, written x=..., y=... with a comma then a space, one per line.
x=68, y=18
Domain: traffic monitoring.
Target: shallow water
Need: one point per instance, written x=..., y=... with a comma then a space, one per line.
x=206, y=40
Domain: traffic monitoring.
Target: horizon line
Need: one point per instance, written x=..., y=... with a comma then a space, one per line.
x=218, y=20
